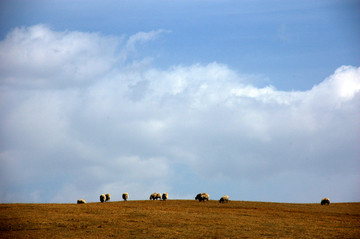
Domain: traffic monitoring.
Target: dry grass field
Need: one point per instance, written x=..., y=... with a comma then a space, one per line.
x=180, y=219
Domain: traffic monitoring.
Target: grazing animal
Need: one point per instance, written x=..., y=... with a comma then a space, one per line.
x=325, y=201
x=165, y=196
x=224, y=199
x=155, y=196
x=125, y=196
x=81, y=201
x=158, y=196
x=108, y=196
x=202, y=197
x=102, y=198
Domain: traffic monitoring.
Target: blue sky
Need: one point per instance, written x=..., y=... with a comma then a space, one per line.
x=255, y=99
x=284, y=41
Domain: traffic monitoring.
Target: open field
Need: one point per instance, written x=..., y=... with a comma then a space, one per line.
x=180, y=219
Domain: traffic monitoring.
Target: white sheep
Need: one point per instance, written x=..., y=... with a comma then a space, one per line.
x=108, y=197
x=155, y=196
x=81, y=201
x=224, y=199
x=202, y=197
x=125, y=196
x=165, y=196
x=102, y=198
x=158, y=196
x=325, y=201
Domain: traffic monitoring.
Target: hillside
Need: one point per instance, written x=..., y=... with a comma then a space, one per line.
x=180, y=219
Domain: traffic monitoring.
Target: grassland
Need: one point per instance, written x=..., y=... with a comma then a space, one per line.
x=180, y=219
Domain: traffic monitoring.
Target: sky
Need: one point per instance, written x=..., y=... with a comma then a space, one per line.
x=258, y=100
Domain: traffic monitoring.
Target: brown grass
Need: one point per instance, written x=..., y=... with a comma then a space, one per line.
x=180, y=219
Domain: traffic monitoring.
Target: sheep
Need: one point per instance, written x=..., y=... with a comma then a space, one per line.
x=224, y=199
x=165, y=196
x=125, y=196
x=155, y=196
x=158, y=196
x=102, y=198
x=325, y=201
x=202, y=197
x=152, y=196
x=81, y=201
x=108, y=196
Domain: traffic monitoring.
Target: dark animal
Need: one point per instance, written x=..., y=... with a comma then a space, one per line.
x=202, y=197
x=325, y=201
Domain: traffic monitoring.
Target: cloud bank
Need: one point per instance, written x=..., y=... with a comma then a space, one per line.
x=84, y=114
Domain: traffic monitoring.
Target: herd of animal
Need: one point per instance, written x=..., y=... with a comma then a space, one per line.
x=155, y=196
x=200, y=197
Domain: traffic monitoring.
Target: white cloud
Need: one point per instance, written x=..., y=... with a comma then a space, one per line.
x=80, y=119
x=142, y=37
x=48, y=58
